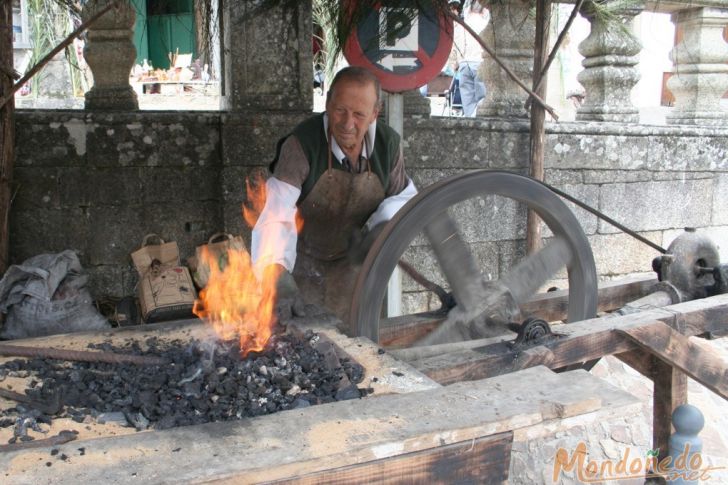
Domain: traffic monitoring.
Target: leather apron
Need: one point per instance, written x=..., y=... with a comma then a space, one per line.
x=339, y=204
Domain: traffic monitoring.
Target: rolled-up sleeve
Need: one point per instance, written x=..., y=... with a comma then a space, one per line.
x=274, y=236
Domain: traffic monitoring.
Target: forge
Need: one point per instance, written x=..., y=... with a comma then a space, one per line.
x=400, y=424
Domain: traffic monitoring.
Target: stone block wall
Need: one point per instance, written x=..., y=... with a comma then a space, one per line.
x=98, y=182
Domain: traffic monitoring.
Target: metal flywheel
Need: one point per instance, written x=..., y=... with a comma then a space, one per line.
x=482, y=306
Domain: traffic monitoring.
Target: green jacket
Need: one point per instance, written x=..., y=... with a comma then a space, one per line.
x=310, y=133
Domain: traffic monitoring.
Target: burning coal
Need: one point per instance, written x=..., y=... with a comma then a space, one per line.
x=203, y=382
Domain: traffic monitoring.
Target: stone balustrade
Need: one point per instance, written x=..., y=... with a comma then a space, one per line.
x=110, y=54
x=611, y=54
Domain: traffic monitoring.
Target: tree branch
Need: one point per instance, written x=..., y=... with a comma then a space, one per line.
x=557, y=45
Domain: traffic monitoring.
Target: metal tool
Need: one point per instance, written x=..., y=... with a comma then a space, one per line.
x=483, y=307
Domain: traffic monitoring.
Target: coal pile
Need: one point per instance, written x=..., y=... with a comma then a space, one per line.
x=202, y=382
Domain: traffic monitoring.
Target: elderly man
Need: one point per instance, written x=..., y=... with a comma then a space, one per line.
x=344, y=174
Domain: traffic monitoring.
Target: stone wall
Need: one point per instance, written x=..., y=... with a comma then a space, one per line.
x=97, y=183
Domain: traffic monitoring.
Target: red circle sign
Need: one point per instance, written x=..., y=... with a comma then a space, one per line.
x=403, y=48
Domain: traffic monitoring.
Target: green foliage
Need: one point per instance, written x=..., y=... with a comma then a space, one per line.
x=50, y=22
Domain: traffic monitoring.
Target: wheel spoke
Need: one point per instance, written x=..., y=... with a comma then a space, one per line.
x=530, y=274
x=456, y=261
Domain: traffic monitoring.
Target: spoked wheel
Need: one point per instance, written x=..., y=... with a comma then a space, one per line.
x=477, y=300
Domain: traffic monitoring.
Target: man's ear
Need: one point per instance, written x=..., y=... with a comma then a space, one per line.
x=375, y=114
x=377, y=109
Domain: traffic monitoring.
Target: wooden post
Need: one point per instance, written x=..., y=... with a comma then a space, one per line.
x=670, y=391
x=7, y=128
x=538, y=116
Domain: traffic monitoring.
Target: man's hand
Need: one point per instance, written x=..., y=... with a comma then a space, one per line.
x=288, y=300
x=361, y=242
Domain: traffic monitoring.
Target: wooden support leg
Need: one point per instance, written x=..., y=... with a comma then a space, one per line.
x=670, y=391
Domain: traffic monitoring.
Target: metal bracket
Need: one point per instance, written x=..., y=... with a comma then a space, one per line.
x=533, y=331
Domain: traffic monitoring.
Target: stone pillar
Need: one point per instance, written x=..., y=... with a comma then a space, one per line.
x=110, y=55
x=510, y=33
x=610, y=55
x=268, y=58
x=701, y=67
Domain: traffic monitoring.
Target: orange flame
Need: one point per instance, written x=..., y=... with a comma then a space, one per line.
x=234, y=301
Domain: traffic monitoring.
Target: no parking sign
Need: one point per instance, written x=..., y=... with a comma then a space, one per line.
x=403, y=48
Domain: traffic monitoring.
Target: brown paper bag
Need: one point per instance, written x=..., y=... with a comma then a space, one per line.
x=165, y=287
x=217, y=246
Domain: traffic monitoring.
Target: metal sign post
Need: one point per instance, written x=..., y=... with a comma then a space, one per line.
x=395, y=119
x=404, y=49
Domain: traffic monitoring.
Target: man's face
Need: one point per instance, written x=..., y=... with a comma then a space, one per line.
x=352, y=107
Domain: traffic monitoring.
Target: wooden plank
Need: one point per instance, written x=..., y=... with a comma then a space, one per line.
x=677, y=350
x=578, y=342
x=483, y=460
x=553, y=306
x=403, y=331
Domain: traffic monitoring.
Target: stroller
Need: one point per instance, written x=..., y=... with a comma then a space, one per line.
x=454, y=103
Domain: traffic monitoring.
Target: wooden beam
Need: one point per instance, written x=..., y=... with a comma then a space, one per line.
x=577, y=342
x=676, y=350
x=481, y=460
x=612, y=295
x=403, y=331
x=670, y=390
x=641, y=361
x=7, y=130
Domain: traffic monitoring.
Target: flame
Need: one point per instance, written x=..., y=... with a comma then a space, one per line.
x=234, y=301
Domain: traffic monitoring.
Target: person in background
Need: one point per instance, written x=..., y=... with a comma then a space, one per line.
x=344, y=173
x=467, y=55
